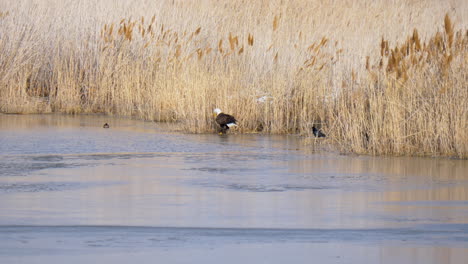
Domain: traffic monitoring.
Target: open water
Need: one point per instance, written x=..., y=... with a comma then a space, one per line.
x=74, y=192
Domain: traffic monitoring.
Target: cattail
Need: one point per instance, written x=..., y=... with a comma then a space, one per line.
x=233, y=41
x=416, y=41
x=220, y=45
x=241, y=50
x=384, y=50
x=391, y=62
x=178, y=51
x=323, y=41
x=438, y=41
x=142, y=31
x=382, y=47
x=111, y=29
x=199, y=53
x=128, y=32
x=197, y=31
x=448, y=30
x=406, y=49
x=250, y=40
x=275, y=23
x=367, y=63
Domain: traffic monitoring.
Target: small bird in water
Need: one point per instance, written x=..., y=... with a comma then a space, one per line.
x=225, y=121
x=317, y=132
x=105, y=125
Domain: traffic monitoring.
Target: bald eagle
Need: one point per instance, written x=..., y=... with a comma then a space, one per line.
x=225, y=121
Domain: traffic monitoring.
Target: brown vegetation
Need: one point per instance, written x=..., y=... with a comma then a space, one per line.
x=378, y=78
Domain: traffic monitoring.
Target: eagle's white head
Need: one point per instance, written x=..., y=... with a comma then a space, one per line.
x=217, y=111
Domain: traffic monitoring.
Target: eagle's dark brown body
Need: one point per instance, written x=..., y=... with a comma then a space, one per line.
x=225, y=121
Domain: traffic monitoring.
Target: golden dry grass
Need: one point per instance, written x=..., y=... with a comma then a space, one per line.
x=379, y=77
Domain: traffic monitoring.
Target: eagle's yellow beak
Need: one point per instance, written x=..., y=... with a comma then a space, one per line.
x=214, y=114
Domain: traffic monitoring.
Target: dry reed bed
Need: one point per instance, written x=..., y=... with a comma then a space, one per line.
x=402, y=98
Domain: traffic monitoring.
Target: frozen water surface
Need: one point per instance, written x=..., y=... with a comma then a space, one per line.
x=74, y=192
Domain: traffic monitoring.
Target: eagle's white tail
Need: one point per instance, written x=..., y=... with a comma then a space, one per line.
x=231, y=125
